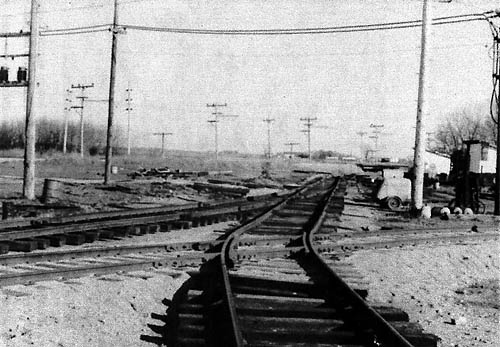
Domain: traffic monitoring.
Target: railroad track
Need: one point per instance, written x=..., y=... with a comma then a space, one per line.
x=61, y=265
x=27, y=236
x=29, y=267
x=259, y=292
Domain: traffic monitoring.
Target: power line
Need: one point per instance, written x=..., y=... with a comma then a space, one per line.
x=318, y=30
x=279, y=31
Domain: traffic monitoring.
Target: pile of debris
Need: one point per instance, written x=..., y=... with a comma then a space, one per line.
x=165, y=172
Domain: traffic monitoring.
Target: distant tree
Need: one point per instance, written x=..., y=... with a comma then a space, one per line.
x=50, y=135
x=468, y=123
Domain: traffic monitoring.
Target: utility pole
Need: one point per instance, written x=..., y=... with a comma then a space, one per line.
x=128, y=109
x=309, y=123
x=162, y=134
x=112, y=85
x=361, y=135
x=67, y=110
x=268, y=121
x=30, y=127
x=82, y=98
x=214, y=121
x=417, y=189
x=291, y=144
x=495, y=30
x=376, y=131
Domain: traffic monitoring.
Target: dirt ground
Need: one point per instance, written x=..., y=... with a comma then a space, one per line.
x=452, y=290
x=107, y=310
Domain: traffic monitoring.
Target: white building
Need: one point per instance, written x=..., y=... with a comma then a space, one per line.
x=482, y=158
x=436, y=164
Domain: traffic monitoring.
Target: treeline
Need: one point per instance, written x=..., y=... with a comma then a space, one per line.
x=50, y=136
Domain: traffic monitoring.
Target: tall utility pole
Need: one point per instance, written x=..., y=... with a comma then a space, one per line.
x=82, y=98
x=111, y=103
x=162, y=134
x=128, y=109
x=361, y=135
x=30, y=128
x=67, y=110
x=495, y=30
x=214, y=121
x=308, y=124
x=268, y=121
x=417, y=188
x=376, y=131
x=291, y=144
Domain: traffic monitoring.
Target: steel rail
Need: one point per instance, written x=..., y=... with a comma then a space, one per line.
x=354, y=246
x=227, y=254
x=113, y=220
x=97, y=252
x=106, y=266
x=388, y=334
x=7, y=224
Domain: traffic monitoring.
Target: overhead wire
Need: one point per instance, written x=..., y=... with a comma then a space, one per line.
x=282, y=31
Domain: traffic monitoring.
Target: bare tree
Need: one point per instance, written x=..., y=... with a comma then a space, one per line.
x=469, y=123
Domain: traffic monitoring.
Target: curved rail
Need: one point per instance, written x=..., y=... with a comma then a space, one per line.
x=382, y=331
x=385, y=332
x=226, y=261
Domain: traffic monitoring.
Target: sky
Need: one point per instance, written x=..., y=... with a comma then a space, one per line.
x=347, y=81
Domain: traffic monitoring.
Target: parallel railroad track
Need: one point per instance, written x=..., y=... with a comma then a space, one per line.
x=261, y=293
x=33, y=267
x=24, y=268
x=76, y=230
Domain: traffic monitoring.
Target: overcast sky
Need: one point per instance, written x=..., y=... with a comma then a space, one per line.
x=347, y=81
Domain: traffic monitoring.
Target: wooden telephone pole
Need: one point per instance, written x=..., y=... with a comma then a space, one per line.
x=67, y=110
x=215, y=121
x=29, y=147
x=291, y=144
x=495, y=30
x=268, y=121
x=162, y=134
x=128, y=109
x=308, y=124
x=417, y=189
x=111, y=102
x=82, y=98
